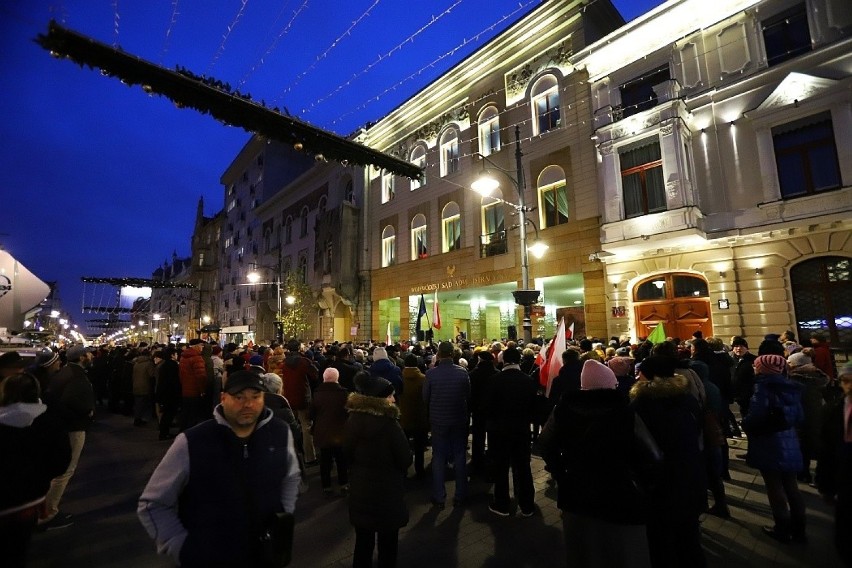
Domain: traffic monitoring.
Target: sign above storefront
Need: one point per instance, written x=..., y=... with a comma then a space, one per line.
x=482, y=279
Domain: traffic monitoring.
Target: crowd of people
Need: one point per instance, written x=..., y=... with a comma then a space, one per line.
x=634, y=435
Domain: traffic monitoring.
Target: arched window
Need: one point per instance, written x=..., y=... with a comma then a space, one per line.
x=419, y=242
x=545, y=104
x=288, y=230
x=418, y=158
x=449, y=149
x=493, y=238
x=388, y=246
x=552, y=197
x=321, y=206
x=303, y=223
x=450, y=227
x=822, y=298
x=489, y=131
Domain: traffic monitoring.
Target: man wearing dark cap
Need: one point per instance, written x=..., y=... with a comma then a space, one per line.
x=743, y=373
x=446, y=393
x=11, y=363
x=228, y=475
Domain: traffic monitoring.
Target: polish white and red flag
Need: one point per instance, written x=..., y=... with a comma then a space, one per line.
x=388, y=336
x=552, y=360
x=436, y=313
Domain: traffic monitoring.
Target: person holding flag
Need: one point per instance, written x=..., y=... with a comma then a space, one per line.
x=421, y=311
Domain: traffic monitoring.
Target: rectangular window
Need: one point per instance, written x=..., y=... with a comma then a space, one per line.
x=388, y=187
x=806, y=156
x=450, y=157
x=389, y=251
x=489, y=137
x=547, y=111
x=554, y=201
x=494, y=231
x=642, y=180
x=201, y=259
x=452, y=233
x=419, y=248
x=786, y=35
x=420, y=162
x=638, y=94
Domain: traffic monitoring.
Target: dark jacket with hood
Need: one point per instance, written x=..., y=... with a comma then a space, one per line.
x=34, y=447
x=72, y=395
x=778, y=451
x=813, y=383
x=673, y=416
x=388, y=370
x=600, y=464
x=379, y=456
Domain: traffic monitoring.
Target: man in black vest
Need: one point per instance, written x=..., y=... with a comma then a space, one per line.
x=221, y=479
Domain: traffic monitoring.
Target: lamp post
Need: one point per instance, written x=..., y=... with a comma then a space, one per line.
x=484, y=186
x=254, y=278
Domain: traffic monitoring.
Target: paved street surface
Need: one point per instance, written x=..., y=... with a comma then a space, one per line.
x=118, y=459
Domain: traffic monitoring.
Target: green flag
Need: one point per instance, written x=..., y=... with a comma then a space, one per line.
x=658, y=335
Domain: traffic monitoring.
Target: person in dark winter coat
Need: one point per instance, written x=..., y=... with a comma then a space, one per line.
x=167, y=393
x=300, y=377
x=777, y=455
x=387, y=369
x=743, y=373
x=813, y=382
x=623, y=368
x=35, y=448
x=328, y=414
x=665, y=403
x=414, y=419
x=568, y=377
x=603, y=459
x=481, y=379
x=834, y=467
x=377, y=451
x=511, y=403
x=143, y=386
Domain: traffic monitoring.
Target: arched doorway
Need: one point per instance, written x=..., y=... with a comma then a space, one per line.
x=680, y=301
x=822, y=298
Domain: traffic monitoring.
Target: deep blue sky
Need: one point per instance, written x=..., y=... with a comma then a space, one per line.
x=103, y=180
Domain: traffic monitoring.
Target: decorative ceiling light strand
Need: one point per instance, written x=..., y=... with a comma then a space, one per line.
x=227, y=34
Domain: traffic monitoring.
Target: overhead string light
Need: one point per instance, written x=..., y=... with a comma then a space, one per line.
x=274, y=44
x=116, y=19
x=409, y=39
x=417, y=73
x=226, y=35
x=324, y=54
x=172, y=23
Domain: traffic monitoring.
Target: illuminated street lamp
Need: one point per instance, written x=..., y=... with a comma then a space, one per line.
x=254, y=278
x=485, y=185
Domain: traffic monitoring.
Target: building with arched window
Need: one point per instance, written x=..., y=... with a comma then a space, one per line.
x=466, y=246
x=724, y=160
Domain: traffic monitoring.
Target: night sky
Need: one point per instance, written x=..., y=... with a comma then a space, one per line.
x=103, y=180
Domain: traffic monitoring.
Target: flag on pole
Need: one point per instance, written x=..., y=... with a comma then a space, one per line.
x=436, y=313
x=658, y=335
x=421, y=311
x=554, y=362
x=388, y=336
x=569, y=333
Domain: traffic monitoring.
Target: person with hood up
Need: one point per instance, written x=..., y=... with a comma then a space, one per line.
x=604, y=460
x=414, y=420
x=383, y=367
x=35, y=449
x=664, y=401
x=377, y=451
x=777, y=455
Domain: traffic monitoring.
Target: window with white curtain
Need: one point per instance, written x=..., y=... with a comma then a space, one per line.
x=449, y=152
x=451, y=227
x=642, y=184
x=418, y=158
x=388, y=187
x=419, y=243
x=489, y=131
x=388, y=246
